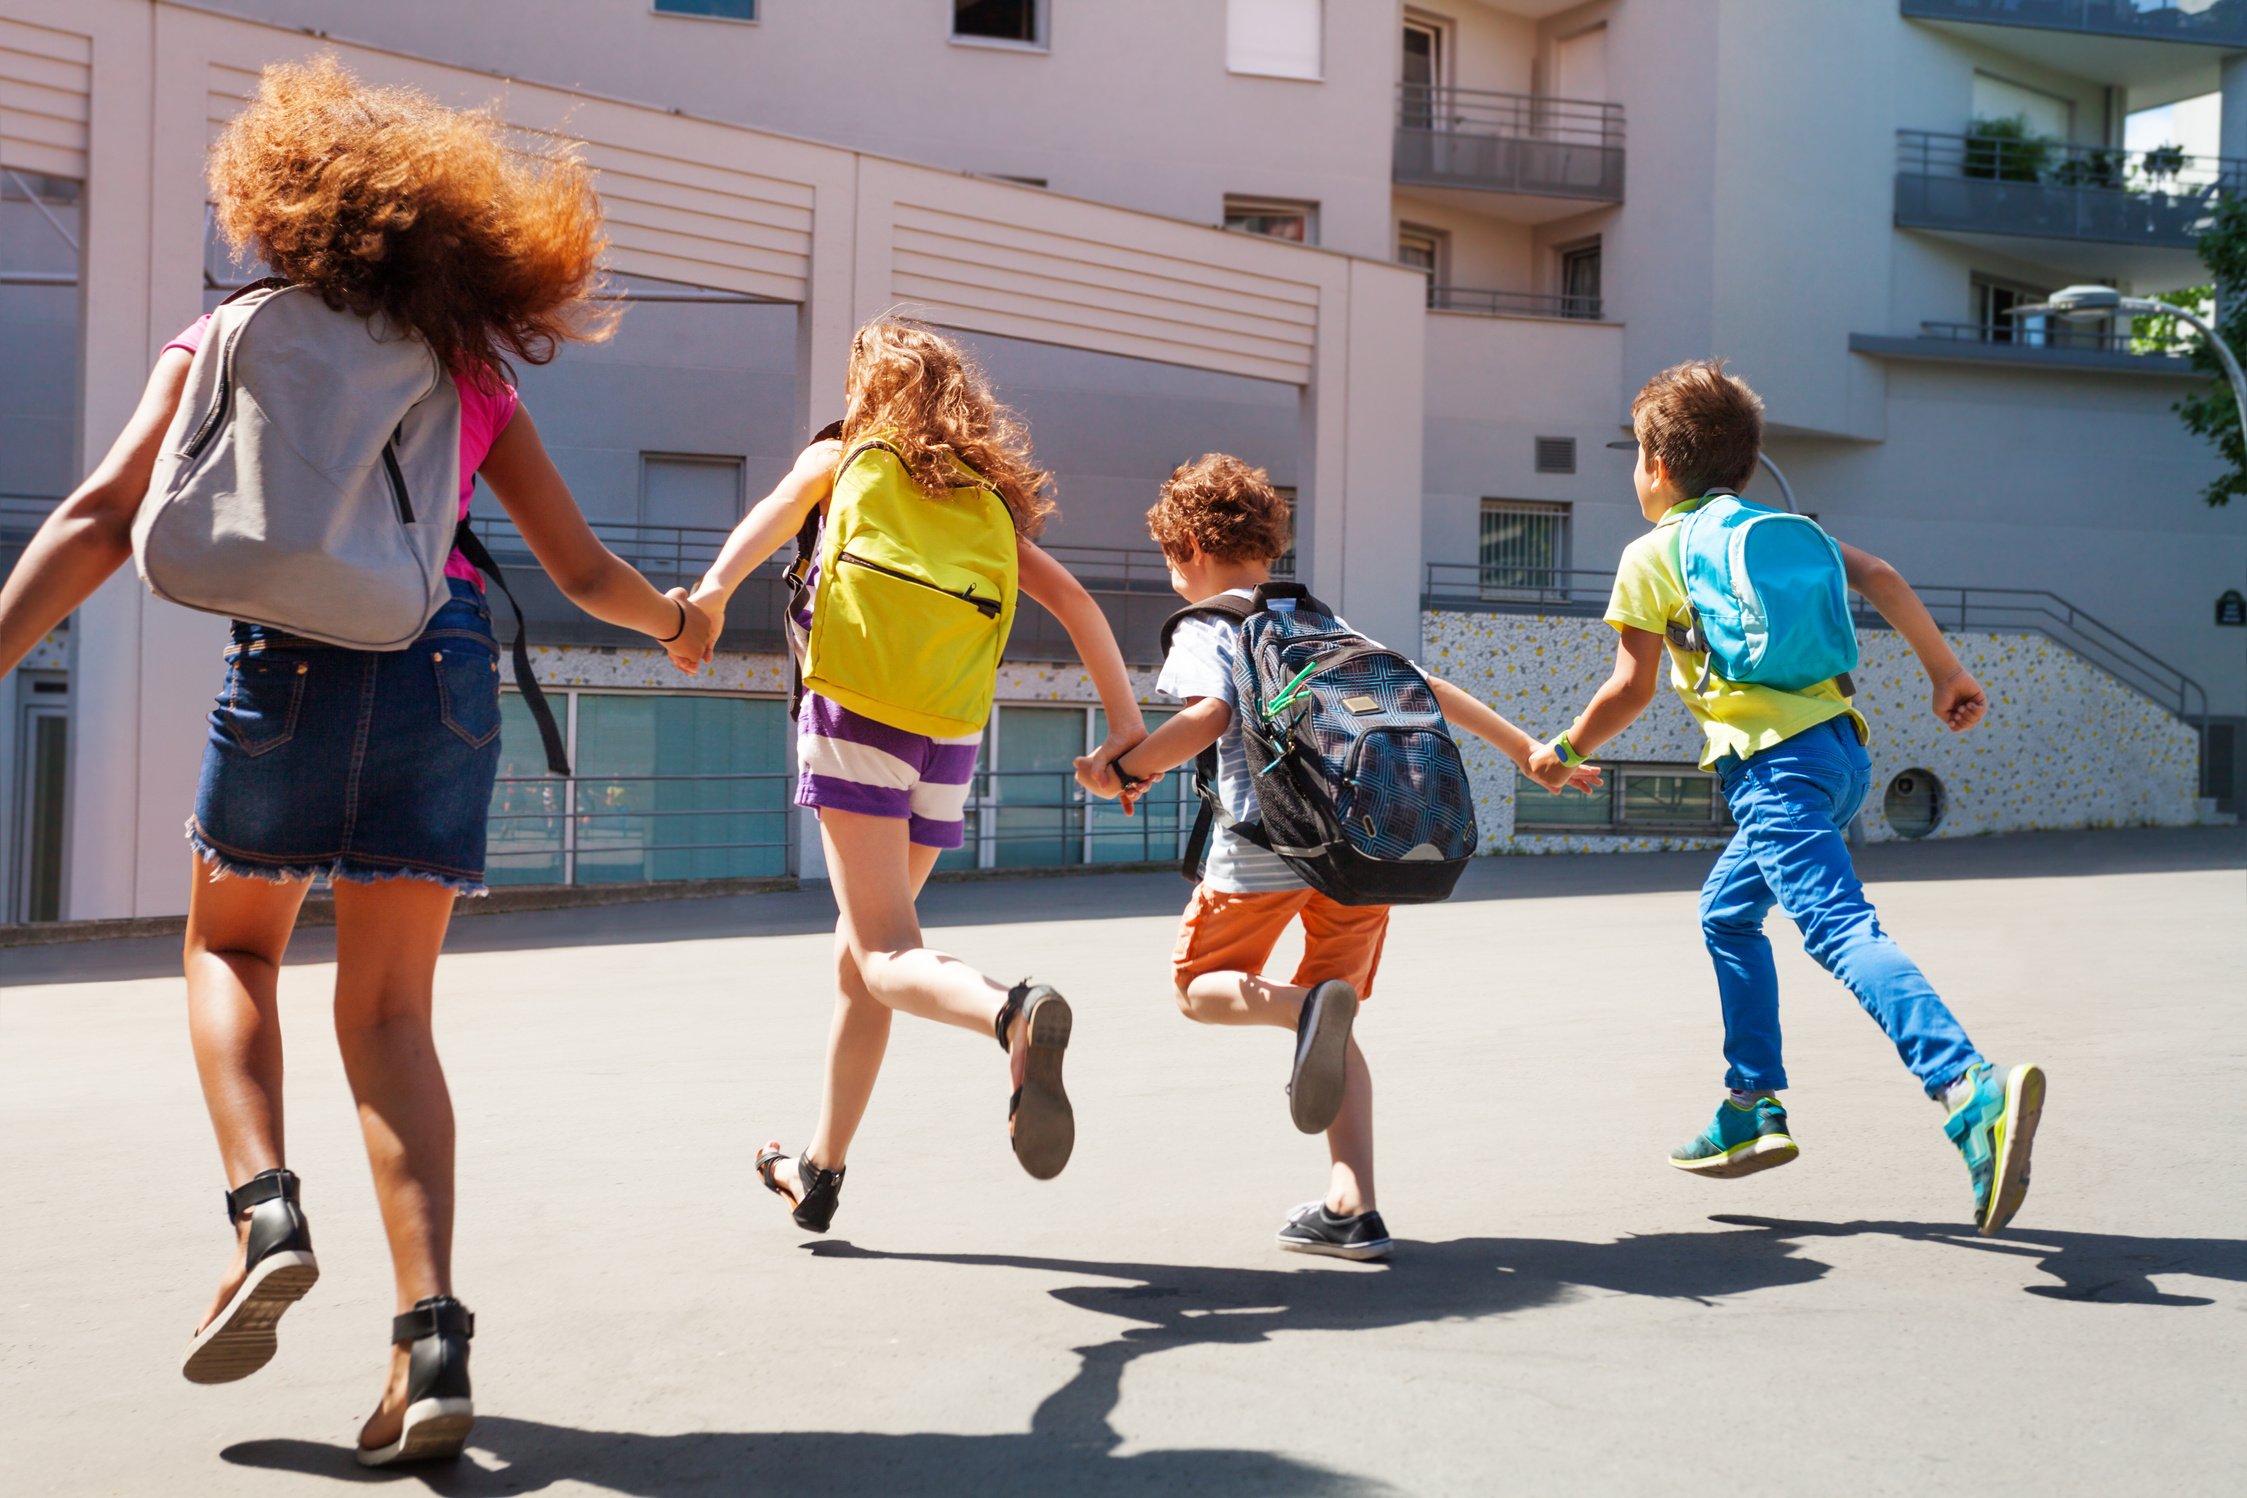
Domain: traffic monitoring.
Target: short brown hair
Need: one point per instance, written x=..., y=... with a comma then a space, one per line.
x=1705, y=425
x=1223, y=508
x=384, y=200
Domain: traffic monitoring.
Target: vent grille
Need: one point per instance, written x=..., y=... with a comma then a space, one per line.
x=1556, y=454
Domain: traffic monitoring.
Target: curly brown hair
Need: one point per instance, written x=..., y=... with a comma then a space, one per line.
x=1223, y=508
x=383, y=200
x=1705, y=425
x=919, y=390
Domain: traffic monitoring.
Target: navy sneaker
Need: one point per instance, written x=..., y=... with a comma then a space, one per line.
x=1322, y=1055
x=1311, y=1229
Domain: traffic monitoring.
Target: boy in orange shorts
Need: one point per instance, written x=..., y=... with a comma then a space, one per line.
x=1220, y=526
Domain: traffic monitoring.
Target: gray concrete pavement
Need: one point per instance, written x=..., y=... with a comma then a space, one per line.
x=1565, y=1314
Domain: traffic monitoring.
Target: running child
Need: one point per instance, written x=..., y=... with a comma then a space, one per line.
x=1220, y=526
x=923, y=514
x=1794, y=771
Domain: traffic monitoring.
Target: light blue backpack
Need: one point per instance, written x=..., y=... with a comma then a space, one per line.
x=1768, y=596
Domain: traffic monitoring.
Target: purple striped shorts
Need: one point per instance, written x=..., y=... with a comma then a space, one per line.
x=852, y=763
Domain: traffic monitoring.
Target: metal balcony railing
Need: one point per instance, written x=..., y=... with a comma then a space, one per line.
x=1515, y=143
x=634, y=828
x=2050, y=189
x=2213, y=23
x=1466, y=587
x=1511, y=303
x=2040, y=334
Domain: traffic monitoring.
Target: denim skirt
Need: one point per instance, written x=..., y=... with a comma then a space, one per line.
x=358, y=765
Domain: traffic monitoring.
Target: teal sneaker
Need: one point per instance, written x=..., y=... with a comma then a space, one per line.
x=1742, y=1139
x=1994, y=1129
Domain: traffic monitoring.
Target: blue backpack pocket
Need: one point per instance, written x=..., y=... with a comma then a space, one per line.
x=1769, y=594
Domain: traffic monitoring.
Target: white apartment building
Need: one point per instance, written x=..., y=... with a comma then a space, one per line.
x=1412, y=258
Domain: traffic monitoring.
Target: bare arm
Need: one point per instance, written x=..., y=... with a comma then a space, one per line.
x=1202, y=723
x=591, y=576
x=1958, y=700
x=1499, y=732
x=1061, y=595
x=1614, y=707
x=90, y=534
x=770, y=521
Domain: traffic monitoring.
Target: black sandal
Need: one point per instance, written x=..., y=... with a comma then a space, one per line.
x=239, y=1340
x=439, y=1409
x=1039, y=1120
x=823, y=1188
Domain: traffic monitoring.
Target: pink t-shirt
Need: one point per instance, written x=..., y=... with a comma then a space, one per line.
x=486, y=406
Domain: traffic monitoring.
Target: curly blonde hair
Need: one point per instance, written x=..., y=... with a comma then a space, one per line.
x=383, y=200
x=919, y=390
x=1223, y=508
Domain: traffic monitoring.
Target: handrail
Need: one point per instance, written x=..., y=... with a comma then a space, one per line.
x=1472, y=588
x=2056, y=163
x=1446, y=298
x=2151, y=20
x=1482, y=111
x=2059, y=335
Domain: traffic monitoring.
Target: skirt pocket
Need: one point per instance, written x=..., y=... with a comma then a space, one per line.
x=263, y=696
x=467, y=689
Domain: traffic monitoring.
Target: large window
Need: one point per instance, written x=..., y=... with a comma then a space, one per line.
x=669, y=785
x=1523, y=547
x=1021, y=22
x=1638, y=798
x=715, y=10
x=1276, y=38
x=1275, y=218
x=1026, y=812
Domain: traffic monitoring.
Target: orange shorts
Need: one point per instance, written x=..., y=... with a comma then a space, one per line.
x=1224, y=933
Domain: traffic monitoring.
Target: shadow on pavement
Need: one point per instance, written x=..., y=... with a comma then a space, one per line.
x=2105, y=1268
x=1072, y=1445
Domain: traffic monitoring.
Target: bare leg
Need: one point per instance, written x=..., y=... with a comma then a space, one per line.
x=1247, y=999
x=388, y=936
x=237, y=930
x=874, y=868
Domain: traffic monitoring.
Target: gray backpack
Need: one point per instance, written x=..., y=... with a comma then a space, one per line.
x=311, y=479
x=311, y=482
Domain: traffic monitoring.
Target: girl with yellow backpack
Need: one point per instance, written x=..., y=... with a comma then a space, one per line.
x=914, y=541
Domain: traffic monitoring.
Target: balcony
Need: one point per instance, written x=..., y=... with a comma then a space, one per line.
x=2161, y=50
x=2153, y=202
x=2035, y=346
x=1555, y=155
x=1443, y=298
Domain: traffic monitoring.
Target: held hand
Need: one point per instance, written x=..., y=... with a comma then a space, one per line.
x=1586, y=778
x=1548, y=769
x=696, y=635
x=1096, y=771
x=712, y=602
x=1960, y=702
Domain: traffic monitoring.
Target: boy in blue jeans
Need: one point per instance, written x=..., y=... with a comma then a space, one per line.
x=1794, y=771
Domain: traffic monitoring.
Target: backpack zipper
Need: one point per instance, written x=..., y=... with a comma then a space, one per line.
x=211, y=423
x=989, y=608
x=390, y=466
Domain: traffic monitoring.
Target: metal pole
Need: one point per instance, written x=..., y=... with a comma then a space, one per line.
x=1786, y=490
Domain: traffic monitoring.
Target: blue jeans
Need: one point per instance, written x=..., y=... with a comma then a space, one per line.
x=1792, y=803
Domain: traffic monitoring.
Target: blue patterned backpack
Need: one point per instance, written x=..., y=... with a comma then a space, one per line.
x=1359, y=786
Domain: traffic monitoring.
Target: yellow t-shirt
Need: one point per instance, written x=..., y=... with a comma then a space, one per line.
x=1738, y=718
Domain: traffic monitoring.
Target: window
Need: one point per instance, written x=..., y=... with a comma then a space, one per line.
x=1284, y=564
x=678, y=489
x=1026, y=812
x=712, y=10
x=1019, y=22
x=1423, y=249
x=1276, y=38
x=1422, y=73
x=1275, y=218
x=669, y=785
x=1524, y=546
x=1638, y=798
x=1579, y=280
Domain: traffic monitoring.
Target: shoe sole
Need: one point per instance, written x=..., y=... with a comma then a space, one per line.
x=2024, y=1109
x=1314, y=1090
x=1045, y=1127
x=241, y=1338
x=1743, y=1159
x=1377, y=1249
x=434, y=1430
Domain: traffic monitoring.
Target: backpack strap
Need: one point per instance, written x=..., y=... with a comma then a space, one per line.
x=1238, y=609
x=472, y=547
x=799, y=570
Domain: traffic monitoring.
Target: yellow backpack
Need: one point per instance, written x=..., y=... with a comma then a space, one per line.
x=915, y=595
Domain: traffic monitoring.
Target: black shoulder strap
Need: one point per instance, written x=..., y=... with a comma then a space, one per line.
x=807, y=539
x=1236, y=608
x=1224, y=606
x=550, y=733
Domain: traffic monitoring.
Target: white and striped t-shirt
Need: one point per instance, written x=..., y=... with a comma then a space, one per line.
x=1200, y=664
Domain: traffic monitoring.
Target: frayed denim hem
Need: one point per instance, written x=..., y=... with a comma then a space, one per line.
x=340, y=869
